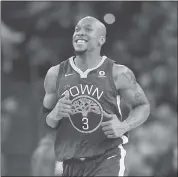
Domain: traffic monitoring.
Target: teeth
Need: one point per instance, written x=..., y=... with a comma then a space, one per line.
x=81, y=41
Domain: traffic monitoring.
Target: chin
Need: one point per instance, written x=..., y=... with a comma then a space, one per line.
x=80, y=52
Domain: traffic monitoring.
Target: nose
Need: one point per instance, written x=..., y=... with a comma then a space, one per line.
x=81, y=32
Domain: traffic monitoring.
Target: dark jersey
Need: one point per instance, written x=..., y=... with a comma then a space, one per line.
x=91, y=92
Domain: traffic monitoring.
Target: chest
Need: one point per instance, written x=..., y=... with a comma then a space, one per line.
x=95, y=85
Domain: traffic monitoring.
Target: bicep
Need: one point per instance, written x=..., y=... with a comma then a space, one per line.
x=129, y=89
x=134, y=96
x=50, y=100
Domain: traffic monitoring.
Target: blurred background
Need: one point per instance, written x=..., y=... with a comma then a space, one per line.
x=38, y=35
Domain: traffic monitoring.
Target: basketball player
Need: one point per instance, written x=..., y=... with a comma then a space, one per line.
x=82, y=103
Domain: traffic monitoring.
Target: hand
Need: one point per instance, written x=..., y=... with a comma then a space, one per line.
x=63, y=107
x=113, y=127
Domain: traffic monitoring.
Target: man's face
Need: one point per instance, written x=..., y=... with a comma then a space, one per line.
x=86, y=36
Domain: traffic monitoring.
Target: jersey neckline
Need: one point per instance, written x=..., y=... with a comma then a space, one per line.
x=84, y=74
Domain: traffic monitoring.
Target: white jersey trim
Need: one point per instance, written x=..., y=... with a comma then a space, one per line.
x=85, y=73
x=121, y=162
x=118, y=104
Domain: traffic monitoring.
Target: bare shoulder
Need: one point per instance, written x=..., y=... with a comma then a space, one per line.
x=51, y=78
x=53, y=71
x=123, y=76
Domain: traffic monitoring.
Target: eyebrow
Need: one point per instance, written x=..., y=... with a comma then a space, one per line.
x=87, y=25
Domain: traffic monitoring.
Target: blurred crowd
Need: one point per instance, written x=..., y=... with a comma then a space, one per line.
x=37, y=35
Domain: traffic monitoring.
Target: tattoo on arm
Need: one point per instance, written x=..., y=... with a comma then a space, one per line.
x=129, y=76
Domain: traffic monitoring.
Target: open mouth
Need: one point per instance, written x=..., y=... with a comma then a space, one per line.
x=80, y=41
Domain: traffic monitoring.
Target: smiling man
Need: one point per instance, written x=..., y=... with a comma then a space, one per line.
x=82, y=103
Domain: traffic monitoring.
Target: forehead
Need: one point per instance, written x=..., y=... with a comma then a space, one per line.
x=86, y=22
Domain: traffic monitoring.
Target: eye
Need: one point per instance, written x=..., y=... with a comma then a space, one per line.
x=88, y=29
x=77, y=29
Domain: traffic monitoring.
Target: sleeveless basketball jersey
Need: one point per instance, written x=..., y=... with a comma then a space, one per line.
x=91, y=92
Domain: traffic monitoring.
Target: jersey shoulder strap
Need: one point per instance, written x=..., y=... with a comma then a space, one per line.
x=62, y=69
x=108, y=65
x=109, y=70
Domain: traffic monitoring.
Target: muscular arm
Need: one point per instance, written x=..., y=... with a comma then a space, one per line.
x=50, y=98
x=133, y=94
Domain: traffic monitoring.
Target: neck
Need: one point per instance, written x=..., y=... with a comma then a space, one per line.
x=87, y=60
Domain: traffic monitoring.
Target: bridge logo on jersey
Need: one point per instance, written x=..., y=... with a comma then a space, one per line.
x=87, y=114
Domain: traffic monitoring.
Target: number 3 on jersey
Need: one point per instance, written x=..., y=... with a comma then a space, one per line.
x=85, y=123
x=86, y=114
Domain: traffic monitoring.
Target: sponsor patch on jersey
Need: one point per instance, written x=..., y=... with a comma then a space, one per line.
x=87, y=114
x=101, y=74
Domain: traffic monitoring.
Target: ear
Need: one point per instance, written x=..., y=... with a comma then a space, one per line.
x=102, y=40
